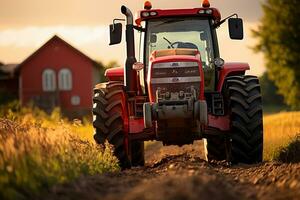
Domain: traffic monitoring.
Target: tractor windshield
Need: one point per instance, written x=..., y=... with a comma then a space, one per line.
x=188, y=32
x=192, y=33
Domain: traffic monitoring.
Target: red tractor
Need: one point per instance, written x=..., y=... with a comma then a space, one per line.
x=180, y=90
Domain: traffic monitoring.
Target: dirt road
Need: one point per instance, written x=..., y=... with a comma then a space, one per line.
x=174, y=173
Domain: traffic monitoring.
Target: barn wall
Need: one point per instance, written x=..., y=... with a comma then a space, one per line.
x=56, y=55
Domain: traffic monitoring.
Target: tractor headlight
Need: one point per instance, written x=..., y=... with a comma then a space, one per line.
x=206, y=11
x=201, y=12
x=153, y=13
x=209, y=11
x=145, y=14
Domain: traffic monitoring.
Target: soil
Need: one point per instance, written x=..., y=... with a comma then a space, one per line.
x=180, y=173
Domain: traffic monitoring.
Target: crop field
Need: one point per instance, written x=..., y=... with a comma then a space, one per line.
x=38, y=151
x=279, y=129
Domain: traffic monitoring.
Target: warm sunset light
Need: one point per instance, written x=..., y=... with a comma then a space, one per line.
x=120, y=100
x=26, y=30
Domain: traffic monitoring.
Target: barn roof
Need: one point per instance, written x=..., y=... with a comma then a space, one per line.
x=55, y=37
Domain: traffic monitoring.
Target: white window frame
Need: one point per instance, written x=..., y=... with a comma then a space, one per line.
x=49, y=80
x=65, y=79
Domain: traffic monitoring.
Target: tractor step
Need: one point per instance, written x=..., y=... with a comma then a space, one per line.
x=139, y=103
x=215, y=103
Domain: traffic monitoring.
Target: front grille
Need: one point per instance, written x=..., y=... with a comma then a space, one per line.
x=175, y=77
x=182, y=72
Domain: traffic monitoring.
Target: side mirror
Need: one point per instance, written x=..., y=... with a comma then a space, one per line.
x=236, y=30
x=115, y=33
x=138, y=66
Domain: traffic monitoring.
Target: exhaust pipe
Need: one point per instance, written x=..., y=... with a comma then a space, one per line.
x=130, y=76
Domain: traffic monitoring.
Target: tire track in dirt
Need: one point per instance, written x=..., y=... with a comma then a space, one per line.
x=181, y=173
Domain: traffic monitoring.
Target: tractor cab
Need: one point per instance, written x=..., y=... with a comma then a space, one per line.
x=180, y=29
x=192, y=33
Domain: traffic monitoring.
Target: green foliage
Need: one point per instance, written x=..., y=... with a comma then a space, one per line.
x=112, y=64
x=103, y=68
x=100, y=66
x=6, y=98
x=269, y=92
x=279, y=36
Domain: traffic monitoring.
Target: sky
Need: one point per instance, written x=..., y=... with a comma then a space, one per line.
x=25, y=25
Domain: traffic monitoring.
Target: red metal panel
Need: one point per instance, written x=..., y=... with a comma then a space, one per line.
x=219, y=122
x=115, y=74
x=231, y=69
x=136, y=125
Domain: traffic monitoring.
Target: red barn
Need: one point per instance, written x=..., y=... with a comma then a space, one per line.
x=58, y=75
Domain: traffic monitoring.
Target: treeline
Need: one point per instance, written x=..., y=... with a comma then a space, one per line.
x=104, y=67
x=278, y=37
x=272, y=100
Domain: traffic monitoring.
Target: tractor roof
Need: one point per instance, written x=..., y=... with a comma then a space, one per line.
x=145, y=15
x=204, y=11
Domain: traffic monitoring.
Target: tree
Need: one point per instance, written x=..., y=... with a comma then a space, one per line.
x=278, y=39
x=1, y=63
x=269, y=92
x=103, y=68
x=112, y=64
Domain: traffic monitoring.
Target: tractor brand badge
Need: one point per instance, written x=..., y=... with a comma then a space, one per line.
x=175, y=79
x=175, y=64
x=160, y=73
x=190, y=71
x=174, y=71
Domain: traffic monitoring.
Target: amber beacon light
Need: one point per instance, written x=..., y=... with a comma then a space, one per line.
x=205, y=4
x=147, y=5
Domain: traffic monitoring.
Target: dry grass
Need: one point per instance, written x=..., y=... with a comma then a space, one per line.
x=38, y=151
x=280, y=129
x=290, y=153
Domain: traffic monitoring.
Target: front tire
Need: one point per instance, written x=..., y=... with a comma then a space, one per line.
x=243, y=96
x=109, y=112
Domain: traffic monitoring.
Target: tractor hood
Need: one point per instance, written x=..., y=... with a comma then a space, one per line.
x=160, y=55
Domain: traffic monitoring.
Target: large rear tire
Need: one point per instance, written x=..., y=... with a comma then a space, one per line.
x=243, y=97
x=109, y=112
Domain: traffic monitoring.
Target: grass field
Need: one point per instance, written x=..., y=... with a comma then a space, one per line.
x=279, y=129
x=38, y=151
